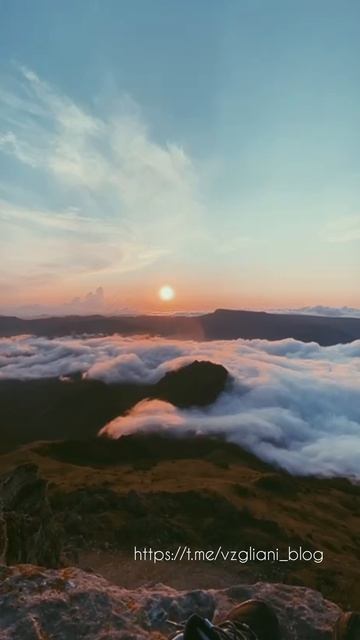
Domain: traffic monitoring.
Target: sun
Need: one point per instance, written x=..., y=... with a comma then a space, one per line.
x=166, y=293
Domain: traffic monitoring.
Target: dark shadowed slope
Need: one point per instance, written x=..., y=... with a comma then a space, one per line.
x=51, y=408
x=222, y=324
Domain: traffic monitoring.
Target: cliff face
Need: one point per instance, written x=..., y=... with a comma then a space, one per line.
x=70, y=604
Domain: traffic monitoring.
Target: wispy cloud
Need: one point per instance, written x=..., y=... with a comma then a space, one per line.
x=125, y=196
x=92, y=302
x=70, y=220
x=345, y=229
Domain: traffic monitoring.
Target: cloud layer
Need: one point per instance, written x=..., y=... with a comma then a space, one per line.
x=293, y=404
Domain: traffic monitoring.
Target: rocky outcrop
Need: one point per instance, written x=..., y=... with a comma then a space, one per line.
x=70, y=604
x=27, y=529
x=198, y=383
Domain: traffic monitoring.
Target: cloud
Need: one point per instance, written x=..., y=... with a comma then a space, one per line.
x=92, y=302
x=124, y=195
x=321, y=310
x=301, y=410
x=343, y=230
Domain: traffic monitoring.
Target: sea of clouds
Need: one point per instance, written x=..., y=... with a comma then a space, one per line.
x=291, y=403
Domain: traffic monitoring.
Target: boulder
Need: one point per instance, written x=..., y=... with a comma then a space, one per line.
x=71, y=604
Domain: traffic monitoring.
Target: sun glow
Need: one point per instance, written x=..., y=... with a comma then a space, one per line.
x=166, y=293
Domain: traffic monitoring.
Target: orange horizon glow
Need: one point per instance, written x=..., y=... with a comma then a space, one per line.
x=202, y=297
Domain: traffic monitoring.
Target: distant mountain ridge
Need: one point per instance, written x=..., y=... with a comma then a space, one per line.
x=222, y=324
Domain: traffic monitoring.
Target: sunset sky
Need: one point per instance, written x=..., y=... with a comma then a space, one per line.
x=211, y=146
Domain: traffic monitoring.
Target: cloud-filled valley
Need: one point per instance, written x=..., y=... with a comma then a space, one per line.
x=293, y=404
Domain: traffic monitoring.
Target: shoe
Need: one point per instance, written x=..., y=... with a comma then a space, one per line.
x=258, y=616
x=347, y=627
x=250, y=620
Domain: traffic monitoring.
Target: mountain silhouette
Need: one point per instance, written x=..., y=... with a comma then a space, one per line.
x=222, y=324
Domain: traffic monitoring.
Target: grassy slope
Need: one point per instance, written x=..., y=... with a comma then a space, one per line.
x=202, y=494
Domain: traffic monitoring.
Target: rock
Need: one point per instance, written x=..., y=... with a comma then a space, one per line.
x=70, y=604
x=28, y=532
x=198, y=383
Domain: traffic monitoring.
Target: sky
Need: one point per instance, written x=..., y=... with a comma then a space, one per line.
x=210, y=146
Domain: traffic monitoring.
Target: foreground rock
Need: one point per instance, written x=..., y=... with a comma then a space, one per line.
x=70, y=604
x=27, y=529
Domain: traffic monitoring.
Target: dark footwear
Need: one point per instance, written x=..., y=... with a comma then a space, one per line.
x=251, y=620
x=347, y=627
x=258, y=616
